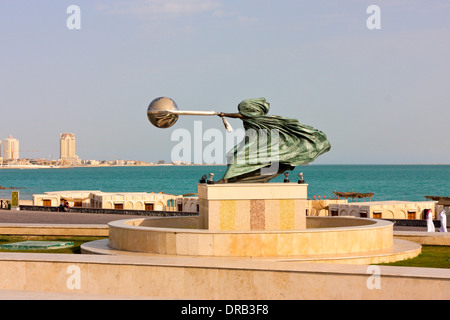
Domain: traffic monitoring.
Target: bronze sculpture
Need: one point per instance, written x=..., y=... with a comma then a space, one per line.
x=272, y=144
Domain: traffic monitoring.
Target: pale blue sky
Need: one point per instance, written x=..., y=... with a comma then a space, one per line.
x=381, y=96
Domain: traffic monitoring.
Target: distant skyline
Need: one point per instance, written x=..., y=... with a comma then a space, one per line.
x=380, y=95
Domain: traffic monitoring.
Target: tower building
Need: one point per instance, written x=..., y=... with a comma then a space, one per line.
x=10, y=149
x=67, y=147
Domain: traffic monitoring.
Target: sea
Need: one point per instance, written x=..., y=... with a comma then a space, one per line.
x=387, y=182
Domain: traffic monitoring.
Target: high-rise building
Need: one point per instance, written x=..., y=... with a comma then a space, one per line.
x=10, y=149
x=67, y=147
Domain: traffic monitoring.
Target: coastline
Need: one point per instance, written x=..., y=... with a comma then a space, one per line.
x=107, y=166
x=30, y=167
x=395, y=183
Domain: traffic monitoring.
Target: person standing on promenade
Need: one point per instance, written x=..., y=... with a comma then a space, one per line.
x=61, y=206
x=443, y=219
x=430, y=224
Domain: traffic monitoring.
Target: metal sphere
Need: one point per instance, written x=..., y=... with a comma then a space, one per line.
x=158, y=117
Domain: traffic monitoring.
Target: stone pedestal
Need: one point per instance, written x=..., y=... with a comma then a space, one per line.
x=252, y=206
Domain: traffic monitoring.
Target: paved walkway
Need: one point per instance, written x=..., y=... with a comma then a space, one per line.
x=90, y=218
x=60, y=217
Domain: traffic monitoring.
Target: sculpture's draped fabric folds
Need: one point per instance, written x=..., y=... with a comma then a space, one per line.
x=272, y=143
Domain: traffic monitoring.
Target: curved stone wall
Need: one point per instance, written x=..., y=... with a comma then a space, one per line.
x=178, y=236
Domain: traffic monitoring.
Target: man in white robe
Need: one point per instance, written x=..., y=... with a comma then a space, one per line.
x=443, y=219
x=430, y=224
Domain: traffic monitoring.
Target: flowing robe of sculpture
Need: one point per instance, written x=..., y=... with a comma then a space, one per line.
x=272, y=145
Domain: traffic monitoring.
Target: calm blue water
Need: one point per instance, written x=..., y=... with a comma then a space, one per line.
x=388, y=182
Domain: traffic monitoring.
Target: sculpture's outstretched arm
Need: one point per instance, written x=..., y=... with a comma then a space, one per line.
x=232, y=115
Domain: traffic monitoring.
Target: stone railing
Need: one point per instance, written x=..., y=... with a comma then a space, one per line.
x=110, y=211
x=413, y=222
